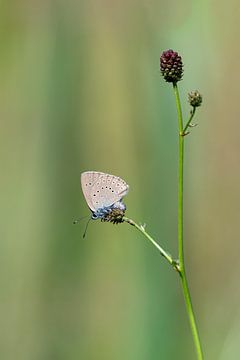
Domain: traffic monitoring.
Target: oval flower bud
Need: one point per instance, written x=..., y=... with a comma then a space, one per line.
x=114, y=216
x=195, y=98
x=171, y=66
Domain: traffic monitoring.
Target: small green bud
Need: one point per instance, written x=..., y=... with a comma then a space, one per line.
x=195, y=98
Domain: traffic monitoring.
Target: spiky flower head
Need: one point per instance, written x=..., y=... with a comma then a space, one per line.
x=171, y=66
x=114, y=216
x=195, y=98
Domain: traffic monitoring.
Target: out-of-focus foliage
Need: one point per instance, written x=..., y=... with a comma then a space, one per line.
x=81, y=90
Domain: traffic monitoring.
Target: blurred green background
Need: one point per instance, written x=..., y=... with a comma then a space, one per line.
x=81, y=90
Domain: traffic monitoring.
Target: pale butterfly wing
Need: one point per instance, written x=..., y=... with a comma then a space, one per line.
x=88, y=178
x=102, y=190
x=107, y=190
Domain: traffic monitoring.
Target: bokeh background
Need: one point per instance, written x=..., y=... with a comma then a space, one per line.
x=81, y=90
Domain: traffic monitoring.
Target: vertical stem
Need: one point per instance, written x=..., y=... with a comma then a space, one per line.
x=184, y=282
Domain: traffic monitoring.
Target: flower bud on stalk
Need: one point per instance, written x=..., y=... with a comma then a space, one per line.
x=195, y=98
x=171, y=66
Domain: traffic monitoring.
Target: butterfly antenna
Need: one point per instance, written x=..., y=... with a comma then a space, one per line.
x=86, y=228
x=78, y=220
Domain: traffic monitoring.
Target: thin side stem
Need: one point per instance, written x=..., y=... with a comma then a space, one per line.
x=189, y=120
x=182, y=272
x=141, y=228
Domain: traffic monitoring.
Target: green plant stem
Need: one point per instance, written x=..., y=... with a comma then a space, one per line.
x=141, y=228
x=182, y=271
x=178, y=265
x=189, y=120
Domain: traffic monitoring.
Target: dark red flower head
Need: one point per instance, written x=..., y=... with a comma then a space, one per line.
x=171, y=66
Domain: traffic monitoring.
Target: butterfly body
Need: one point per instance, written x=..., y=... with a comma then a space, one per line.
x=103, y=194
x=102, y=213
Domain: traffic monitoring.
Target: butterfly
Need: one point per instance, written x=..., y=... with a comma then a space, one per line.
x=103, y=193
